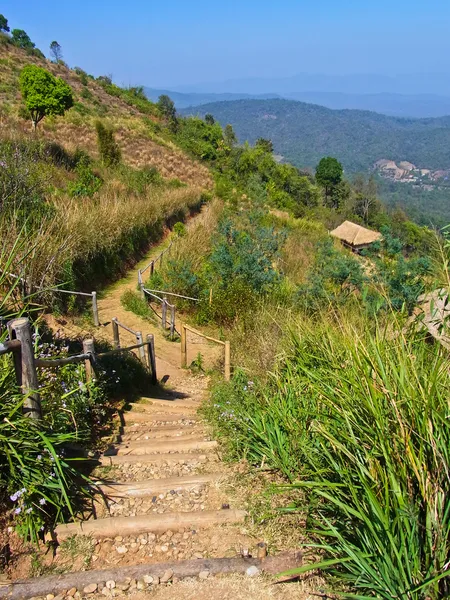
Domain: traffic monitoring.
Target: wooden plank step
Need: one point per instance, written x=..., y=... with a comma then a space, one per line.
x=152, y=487
x=168, y=407
x=155, y=459
x=164, y=403
x=158, y=432
x=131, y=416
x=164, y=417
x=156, y=523
x=150, y=446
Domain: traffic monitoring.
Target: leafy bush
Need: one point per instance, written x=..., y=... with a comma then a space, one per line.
x=87, y=183
x=179, y=229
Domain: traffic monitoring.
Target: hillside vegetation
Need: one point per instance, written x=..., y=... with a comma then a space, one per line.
x=335, y=387
x=304, y=133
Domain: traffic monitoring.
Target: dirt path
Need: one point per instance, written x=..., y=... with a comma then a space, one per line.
x=161, y=493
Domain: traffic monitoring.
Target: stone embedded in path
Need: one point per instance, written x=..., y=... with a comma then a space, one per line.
x=167, y=576
x=91, y=588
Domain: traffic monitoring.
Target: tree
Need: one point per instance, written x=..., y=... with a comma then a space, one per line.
x=209, y=119
x=229, y=136
x=21, y=39
x=107, y=146
x=265, y=145
x=328, y=175
x=56, y=51
x=166, y=107
x=43, y=93
x=4, y=24
x=366, y=203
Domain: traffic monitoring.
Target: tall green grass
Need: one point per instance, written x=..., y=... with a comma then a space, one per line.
x=360, y=418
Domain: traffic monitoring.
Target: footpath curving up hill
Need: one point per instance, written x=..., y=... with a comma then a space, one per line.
x=161, y=512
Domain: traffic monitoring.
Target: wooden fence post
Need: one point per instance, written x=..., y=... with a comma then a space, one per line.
x=183, y=346
x=164, y=313
x=227, y=361
x=26, y=369
x=95, y=309
x=141, y=349
x=152, y=357
x=141, y=284
x=172, y=321
x=89, y=348
x=152, y=268
x=116, y=335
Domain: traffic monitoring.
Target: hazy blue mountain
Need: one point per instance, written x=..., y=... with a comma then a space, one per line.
x=365, y=83
x=399, y=105
x=183, y=100
x=304, y=133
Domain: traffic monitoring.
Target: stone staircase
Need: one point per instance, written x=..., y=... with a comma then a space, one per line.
x=166, y=439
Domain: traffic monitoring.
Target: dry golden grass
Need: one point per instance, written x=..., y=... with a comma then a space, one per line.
x=84, y=228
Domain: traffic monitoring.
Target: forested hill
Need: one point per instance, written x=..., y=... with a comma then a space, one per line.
x=304, y=133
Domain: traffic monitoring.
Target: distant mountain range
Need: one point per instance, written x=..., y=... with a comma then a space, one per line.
x=365, y=83
x=184, y=100
x=398, y=105
x=303, y=133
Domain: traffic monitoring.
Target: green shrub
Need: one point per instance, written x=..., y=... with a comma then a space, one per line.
x=133, y=302
x=108, y=148
x=179, y=229
x=87, y=183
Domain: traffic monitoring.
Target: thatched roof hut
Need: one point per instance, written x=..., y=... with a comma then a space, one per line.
x=355, y=236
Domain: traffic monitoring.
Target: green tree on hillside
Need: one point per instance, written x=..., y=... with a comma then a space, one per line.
x=56, y=51
x=329, y=173
x=43, y=93
x=166, y=107
x=4, y=24
x=209, y=119
x=107, y=146
x=229, y=136
x=21, y=39
x=264, y=144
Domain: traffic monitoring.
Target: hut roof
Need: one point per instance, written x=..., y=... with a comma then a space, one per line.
x=354, y=234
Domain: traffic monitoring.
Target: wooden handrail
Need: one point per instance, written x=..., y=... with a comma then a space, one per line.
x=211, y=339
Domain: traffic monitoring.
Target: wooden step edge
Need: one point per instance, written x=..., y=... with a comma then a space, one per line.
x=156, y=459
x=148, y=417
x=155, y=433
x=171, y=442
x=152, y=447
x=156, y=523
x=147, y=403
x=38, y=587
x=142, y=489
x=156, y=418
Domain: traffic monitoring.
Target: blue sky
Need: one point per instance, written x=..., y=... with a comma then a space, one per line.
x=159, y=43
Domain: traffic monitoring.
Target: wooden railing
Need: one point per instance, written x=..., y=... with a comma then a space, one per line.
x=92, y=295
x=153, y=263
x=166, y=307
x=21, y=347
x=226, y=344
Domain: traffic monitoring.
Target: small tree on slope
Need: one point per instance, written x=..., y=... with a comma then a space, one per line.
x=43, y=93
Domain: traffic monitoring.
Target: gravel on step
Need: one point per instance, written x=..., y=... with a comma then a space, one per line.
x=172, y=501
x=131, y=472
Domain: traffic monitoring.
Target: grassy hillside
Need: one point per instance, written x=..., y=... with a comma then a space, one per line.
x=87, y=220
x=136, y=123
x=304, y=133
